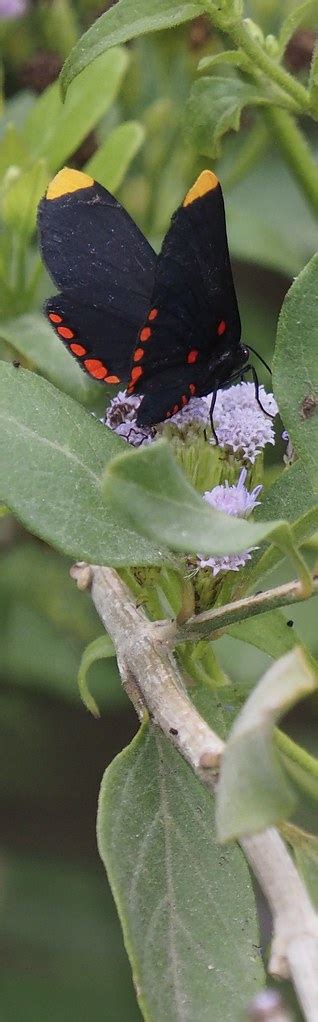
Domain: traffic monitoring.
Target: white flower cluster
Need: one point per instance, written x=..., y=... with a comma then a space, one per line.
x=234, y=500
x=239, y=421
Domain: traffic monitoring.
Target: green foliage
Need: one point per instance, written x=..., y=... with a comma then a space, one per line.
x=53, y=441
x=189, y=954
x=296, y=376
x=128, y=19
x=72, y=482
x=253, y=792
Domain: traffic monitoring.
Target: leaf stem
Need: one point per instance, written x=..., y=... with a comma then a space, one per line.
x=295, y=752
x=203, y=625
x=296, y=151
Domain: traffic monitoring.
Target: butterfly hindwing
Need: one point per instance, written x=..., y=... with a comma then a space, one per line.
x=101, y=344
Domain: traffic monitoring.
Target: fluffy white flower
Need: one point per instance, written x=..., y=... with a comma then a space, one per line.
x=234, y=500
x=239, y=421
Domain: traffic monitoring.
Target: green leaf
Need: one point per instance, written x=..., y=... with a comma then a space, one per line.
x=295, y=368
x=12, y=151
x=280, y=234
x=233, y=57
x=113, y=158
x=53, y=130
x=33, y=338
x=52, y=454
x=154, y=494
x=126, y=20
x=253, y=792
x=268, y=632
x=300, y=15
x=192, y=956
x=215, y=106
x=21, y=197
x=97, y=650
x=290, y=496
x=313, y=80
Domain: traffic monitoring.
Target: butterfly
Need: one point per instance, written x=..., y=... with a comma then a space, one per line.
x=166, y=325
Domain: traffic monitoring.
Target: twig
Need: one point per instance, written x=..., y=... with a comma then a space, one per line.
x=209, y=621
x=145, y=658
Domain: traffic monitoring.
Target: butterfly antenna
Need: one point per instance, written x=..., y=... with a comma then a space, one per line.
x=260, y=358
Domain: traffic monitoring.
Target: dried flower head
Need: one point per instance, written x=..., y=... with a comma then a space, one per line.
x=121, y=417
x=234, y=500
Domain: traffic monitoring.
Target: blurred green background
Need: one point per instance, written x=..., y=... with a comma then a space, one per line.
x=61, y=948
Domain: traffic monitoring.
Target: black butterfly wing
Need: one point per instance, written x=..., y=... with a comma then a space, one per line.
x=194, y=319
x=102, y=264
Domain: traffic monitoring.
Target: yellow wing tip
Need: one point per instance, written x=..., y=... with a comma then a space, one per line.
x=66, y=181
x=206, y=182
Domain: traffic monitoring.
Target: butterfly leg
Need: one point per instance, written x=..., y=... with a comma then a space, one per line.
x=212, y=406
x=252, y=370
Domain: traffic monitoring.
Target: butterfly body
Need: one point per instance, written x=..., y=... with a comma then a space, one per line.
x=169, y=325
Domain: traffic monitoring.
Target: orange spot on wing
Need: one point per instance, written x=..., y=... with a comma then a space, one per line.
x=192, y=356
x=136, y=373
x=206, y=182
x=192, y=388
x=53, y=316
x=145, y=333
x=78, y=349
x=95, y=368
x=175, y=409
x=112, y=379
x=138, y=354
x=184, y=399
x=65, y=332
x=221, y=327
x=152, y=314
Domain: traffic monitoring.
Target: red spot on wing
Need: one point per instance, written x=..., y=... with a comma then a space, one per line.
x=65, y=332
x=138, y=354
x=112, y=379
x=136, y=373
x=153, y=314
x=145, y=333
x=175, y=409
x=78, y=349
x=95, y=368
x=192, y=356
x=221, y=327
x=184, y=399
x=192, y=389
x=53, y=316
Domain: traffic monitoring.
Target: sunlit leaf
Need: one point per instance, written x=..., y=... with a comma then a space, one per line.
x=215, y=107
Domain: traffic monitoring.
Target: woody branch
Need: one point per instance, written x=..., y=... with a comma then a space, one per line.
x=153, y=683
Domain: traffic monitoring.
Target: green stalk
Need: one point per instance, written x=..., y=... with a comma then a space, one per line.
x=295, y=752
x=296, y=151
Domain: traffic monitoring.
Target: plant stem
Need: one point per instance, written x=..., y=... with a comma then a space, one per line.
x=296, y=753
x=274, y=72
x=296, y=151
x=203, y=625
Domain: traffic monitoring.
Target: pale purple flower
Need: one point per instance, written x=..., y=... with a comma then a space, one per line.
x=121, y=417
x=197, y=410
x=10, y=9
x=234, y=500
x=240, y=423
